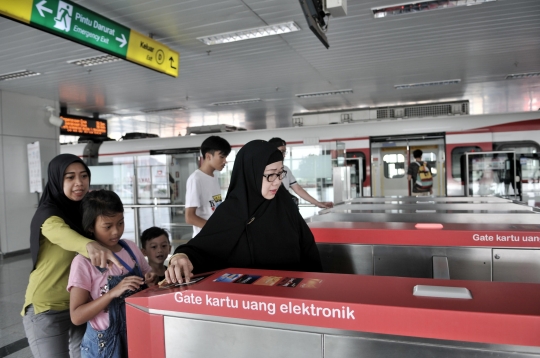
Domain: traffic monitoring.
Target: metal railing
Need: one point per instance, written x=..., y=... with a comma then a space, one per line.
x=147, y=206
x=136, y=220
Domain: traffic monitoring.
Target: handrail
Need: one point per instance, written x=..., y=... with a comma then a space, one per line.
x=142, y=206
x=182, y=205
x=154, y=205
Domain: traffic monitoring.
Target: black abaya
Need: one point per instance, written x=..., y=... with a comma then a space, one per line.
x=247, y=230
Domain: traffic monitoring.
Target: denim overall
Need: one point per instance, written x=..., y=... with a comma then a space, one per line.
x=112, y=342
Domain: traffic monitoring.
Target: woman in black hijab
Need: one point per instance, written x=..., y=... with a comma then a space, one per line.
x=56, y=236
x=257, y=226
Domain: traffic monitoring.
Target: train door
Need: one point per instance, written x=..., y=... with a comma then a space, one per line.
x=393, y=176
x=433, y=155
x=392, y=156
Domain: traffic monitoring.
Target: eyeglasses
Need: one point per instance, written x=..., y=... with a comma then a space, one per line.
x=273, y=177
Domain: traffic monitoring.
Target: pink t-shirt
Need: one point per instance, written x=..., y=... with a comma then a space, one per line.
x=86, y=276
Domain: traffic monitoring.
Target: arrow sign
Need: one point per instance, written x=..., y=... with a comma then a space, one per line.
x=172, y=61
x=122, y=41
x=41, y=8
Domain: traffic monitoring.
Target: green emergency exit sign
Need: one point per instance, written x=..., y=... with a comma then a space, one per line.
x=82, y=25
x=72, y=21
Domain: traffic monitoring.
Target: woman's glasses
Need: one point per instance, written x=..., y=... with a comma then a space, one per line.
x=272, y=177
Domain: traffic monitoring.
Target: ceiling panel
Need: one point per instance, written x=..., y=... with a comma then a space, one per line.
x=478, y=44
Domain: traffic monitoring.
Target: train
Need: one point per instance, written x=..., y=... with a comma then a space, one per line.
x=379, y=153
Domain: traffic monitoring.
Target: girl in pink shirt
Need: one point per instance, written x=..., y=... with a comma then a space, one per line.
x=97, y=295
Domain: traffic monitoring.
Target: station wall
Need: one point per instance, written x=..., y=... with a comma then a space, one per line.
x=23, y=120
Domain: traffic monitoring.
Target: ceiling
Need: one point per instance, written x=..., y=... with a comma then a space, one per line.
x=478, y=44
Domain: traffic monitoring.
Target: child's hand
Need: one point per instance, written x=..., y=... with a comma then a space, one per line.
x=130, y=283
x=150, y=278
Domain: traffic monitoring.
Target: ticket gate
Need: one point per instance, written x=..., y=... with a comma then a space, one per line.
x=429, y=215
x=487, y=210
x=498, y=241
x=448, y=207
x=509, y=253
x=245, y=312
x=430, y=199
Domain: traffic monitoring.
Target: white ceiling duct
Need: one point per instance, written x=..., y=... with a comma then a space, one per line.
x=217, y=128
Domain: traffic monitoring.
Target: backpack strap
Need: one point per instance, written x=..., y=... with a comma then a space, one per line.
x=424, y=164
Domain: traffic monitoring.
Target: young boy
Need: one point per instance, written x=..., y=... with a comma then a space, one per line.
x=155, y=245
x=203, y=193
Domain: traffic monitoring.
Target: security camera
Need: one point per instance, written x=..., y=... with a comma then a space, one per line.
x=56, y=121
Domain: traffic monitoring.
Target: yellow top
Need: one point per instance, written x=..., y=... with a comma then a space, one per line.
x=58, y=245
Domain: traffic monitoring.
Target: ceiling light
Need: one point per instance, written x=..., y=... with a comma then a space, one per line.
x=240, y=35
x=515, y=76
x=18, y=74
x=172, y=109
x=96, y=60
x=230, y=103
x=419, y=6
x=329, y=93
x=428, y=84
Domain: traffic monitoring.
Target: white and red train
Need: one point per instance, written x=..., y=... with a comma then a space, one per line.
x=384, y=145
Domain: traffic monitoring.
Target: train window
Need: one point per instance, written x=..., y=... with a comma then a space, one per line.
x=523, y=147
x=530, y=168
x=458, y=159
x=352, y=160
x=527, y=154
x=394, y=166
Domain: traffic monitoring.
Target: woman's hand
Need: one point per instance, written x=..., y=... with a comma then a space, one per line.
x=325, y=204
x=131, y=283
x=150, y=278
x=179, y=266
x=100, y=255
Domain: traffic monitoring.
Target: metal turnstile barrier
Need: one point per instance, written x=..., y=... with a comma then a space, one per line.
x=333, y=316
x=498, y=241
x=434, y=199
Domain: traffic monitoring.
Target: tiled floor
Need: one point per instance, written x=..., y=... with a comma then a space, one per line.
x=14, y=273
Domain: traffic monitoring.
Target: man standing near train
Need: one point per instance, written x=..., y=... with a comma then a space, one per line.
x=412, y=174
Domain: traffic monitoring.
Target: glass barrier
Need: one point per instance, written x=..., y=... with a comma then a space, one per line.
x=138, y=218
x=492, y=174
x=153, y=187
